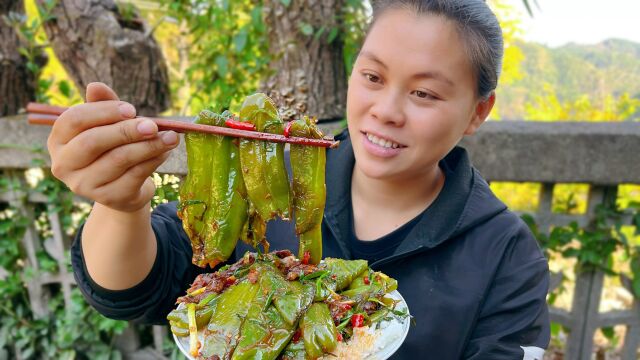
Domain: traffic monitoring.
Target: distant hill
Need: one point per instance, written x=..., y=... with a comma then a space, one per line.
x=611, y=67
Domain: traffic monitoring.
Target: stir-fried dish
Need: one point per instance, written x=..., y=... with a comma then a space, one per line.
x=275, y=306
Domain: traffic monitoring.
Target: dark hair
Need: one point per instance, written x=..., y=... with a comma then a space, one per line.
x=477, y=26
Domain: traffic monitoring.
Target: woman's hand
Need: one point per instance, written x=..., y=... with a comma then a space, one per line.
x=102, y=152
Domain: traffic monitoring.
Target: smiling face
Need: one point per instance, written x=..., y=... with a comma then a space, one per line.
x=411, y=96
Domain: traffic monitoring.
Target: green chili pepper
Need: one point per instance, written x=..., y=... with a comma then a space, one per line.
x=179, y=331
x=308, y=168
x=213, y=197
x=254, y=229
x=295, y=351
x=273, y=315
x=318, y=331
x=345, y=271
x=262, y=162
x=376, y=280
x=224, y=327
x=179, y=317
x=293, y=299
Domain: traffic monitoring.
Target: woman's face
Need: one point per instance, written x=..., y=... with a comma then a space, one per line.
x=411, y=96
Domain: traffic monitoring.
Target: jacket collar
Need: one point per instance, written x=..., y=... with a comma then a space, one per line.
x=340, y=162
x=464, y=201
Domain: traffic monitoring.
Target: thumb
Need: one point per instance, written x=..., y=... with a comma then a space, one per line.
x=97, y=91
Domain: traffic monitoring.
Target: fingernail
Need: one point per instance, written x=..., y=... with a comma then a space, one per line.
x=146, y=127
x=127, y=110
x=169, y=138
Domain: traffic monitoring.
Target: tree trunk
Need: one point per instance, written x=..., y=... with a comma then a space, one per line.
x=17, y=83
x=98, y=41
x=309, y=70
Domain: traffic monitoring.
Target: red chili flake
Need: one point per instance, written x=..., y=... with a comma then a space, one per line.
x=345, y=307
x=366, y=280
x=287, y=129
x=296, y=336
x=240, y=125
x=339, y=337
x=306, y=257
x=334, y=276
x=357, y=320
x=230, y=280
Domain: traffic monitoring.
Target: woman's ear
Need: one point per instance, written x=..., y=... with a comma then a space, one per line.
x=482, y=110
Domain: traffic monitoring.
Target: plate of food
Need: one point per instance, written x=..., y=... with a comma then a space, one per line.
x=272, y=305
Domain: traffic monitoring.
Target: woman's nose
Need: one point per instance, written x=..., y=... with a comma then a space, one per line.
x=388, y=109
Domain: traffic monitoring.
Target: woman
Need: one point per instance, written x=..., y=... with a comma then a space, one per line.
x=399, y=193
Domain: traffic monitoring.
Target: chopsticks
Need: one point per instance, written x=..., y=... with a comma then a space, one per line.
x=44, y=114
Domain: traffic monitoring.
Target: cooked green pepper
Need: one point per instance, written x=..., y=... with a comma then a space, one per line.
x=254, y=229
x=342, y=274
x=179, y=331
x=294, y=300
x=345, y=271
x=375, y=280
x=178, y=318
x=378, y=285
x=265, y=333
x=308, y=168
x=294, y=351
x=224, y=327
x=262, y=162
x=318, y=331
x=213, y=205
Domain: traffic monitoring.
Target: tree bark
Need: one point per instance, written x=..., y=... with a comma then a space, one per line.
x=309, y=70
x=17, y=83
x=98, y=41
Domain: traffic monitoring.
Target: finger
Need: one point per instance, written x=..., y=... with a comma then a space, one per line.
x=114, y=163
x=134, y=188
x=90, y=144
x=85, y=116
x=97, y=91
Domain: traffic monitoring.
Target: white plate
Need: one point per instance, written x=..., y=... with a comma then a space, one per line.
x=392, y=334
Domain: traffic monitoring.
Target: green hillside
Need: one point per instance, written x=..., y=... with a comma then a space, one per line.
x=600, y=74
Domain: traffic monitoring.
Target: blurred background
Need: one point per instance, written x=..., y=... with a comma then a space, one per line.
x=560, y=148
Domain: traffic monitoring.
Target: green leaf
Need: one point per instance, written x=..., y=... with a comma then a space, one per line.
x=306, y=29
x=240, y=40
x=222, y=63
x=319, y=32
x=286, y=3
x=332, y=35
x=65, y=89
x=608, y=332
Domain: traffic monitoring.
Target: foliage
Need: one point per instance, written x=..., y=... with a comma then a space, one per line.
x=54, y=85
x=574, y=82
x=227, y=51
x=77, y=332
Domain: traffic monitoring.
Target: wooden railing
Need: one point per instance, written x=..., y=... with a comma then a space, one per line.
x=603, y=155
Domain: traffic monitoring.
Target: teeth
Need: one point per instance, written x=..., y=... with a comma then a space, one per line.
x=382, y=142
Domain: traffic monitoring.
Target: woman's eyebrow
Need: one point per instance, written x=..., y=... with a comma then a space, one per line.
x=373, y=58
x=436, y=75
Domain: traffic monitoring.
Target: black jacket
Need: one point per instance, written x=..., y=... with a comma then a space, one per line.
x=471, y=272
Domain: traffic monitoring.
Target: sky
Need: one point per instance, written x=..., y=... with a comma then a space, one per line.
x=558, y=22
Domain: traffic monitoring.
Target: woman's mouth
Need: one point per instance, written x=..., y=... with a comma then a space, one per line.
x=380, y=146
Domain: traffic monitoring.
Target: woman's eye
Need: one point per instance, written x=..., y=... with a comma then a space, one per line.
x=372, y=78
x=423, y=94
